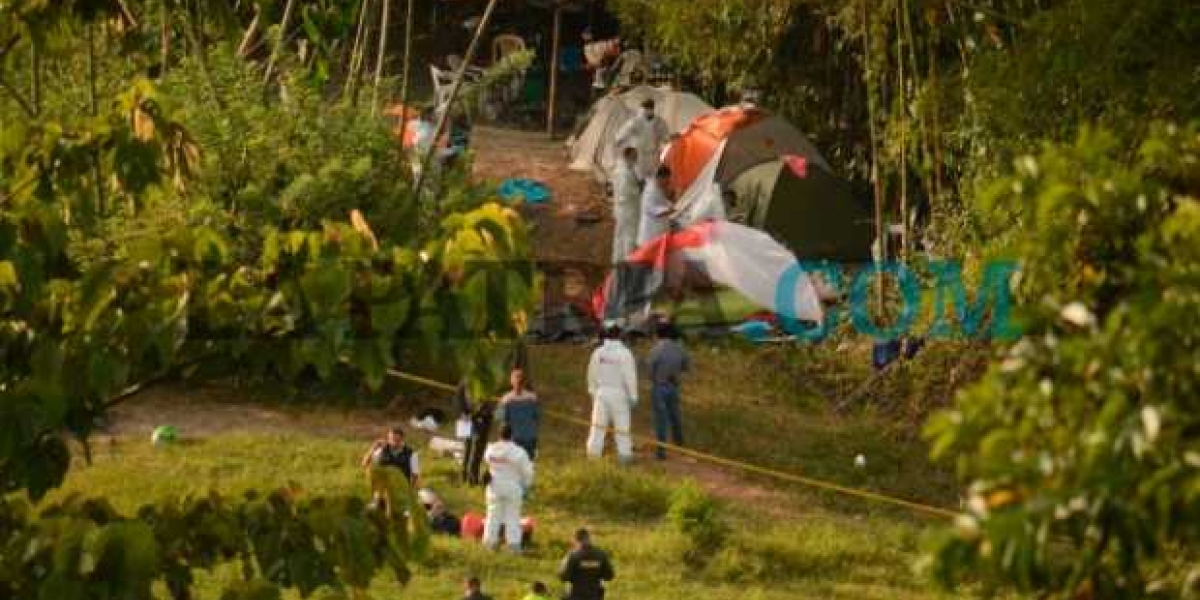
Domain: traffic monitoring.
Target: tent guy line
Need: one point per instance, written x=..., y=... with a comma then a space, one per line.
x=918, y=507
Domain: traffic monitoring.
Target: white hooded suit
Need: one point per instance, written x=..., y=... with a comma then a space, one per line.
x=511, y=474
x=612, y=383
x=648, y=136
x=627, y=209
x=653, y=220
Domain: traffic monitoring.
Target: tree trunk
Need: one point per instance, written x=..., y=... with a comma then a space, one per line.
x=551, y=104
x=250, y=35
x=283, y=26
x=384, y=22
x=164, y=37
x=876, y=184
x=35, y=78
x=356, y=54
x=408, y=25
x=94, y=109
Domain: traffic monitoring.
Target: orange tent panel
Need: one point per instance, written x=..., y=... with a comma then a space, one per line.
x=687, y=155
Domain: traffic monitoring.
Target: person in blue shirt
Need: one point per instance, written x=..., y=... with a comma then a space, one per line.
x=521, y=410
x=667, y=363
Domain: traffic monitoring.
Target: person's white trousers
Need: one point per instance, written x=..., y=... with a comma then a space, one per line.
x=610, y=409
x=503, y=509
x=625, y=232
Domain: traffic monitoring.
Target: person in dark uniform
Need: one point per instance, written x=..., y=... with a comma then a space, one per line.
x=585, y=568
x=391, y=451
x=482, y=417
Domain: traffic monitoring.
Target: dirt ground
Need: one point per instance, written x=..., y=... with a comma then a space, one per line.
x=562, y=230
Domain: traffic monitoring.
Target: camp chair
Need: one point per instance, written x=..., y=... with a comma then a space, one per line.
x=505, y=44
x=443, y=82
x=502, y=46
x=472, y=74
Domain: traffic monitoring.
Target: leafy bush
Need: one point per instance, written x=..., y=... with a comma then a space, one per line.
x=293, y=162
x=696, y=515
x=1082, y=446
x=601, y=488
x=811, y=549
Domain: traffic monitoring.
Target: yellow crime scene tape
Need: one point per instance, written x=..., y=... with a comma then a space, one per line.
x=726, y=462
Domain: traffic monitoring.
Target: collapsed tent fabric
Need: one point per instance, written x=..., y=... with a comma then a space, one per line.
x=742, y=258
x=592, y=149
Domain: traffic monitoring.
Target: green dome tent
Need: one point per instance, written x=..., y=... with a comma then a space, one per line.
x=814, y=213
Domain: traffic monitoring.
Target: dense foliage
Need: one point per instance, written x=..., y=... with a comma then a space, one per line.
x=83, y=549
x=1082, y=445
x=178, y=210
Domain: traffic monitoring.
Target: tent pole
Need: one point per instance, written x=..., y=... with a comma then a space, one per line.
x=444, y=118
x=551, y=105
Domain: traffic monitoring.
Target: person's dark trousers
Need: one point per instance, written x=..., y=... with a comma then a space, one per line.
x=473, y=457
x=530, y=447
x=665, y=399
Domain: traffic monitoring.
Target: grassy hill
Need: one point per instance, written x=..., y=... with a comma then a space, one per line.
x=782, y=542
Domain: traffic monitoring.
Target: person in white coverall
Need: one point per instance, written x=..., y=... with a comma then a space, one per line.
x=657, y=208
x=648, y=133
x=627, y=205
x=511, y=474
x=612, y=383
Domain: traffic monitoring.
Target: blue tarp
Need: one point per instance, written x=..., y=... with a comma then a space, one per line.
x=532, y=192
x=755, y=331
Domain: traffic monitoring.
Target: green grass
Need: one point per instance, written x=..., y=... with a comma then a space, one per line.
x=801, y=545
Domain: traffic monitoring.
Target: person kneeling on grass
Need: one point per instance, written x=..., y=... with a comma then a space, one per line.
x=511, y=474
x=538, y=592
x=440, y=519
x=473, y=590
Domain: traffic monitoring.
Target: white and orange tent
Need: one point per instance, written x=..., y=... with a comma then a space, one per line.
x=783, y=185
x=736, y=138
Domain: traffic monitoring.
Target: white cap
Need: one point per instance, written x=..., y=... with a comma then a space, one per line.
x=427, y=496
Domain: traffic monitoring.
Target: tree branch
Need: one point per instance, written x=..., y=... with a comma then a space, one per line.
x=16, y=95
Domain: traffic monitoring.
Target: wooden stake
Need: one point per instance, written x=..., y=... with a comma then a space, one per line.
x=551, y=105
